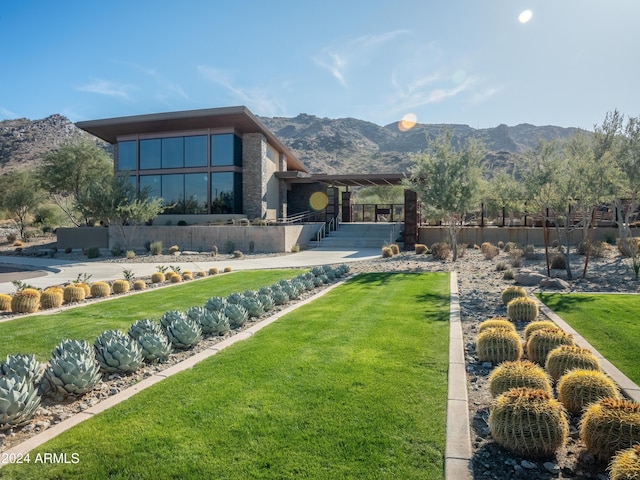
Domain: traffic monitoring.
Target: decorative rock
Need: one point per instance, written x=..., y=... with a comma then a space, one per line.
x=527, y=464
x=555, y=283
x=551, y=467
x=528, y=278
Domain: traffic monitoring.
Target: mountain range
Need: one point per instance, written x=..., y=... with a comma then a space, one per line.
x=324, y=145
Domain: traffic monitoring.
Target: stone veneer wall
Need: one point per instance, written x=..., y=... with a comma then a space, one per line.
x=254, y=150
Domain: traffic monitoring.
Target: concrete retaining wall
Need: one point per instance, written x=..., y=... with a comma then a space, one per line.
x=273, y=238
x=82, y=237
x=521, y=235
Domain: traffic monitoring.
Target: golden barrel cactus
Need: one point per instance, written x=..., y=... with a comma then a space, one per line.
x=537, y=325
x=522, y=309
x=100, y=290
x=5, y=302
x=51, y=298
x=158, y=277
x=139, y=285
x=498, y=345
x=625, y=465
x=25, y=301
x=565, y=358
x=73, y=293
x=542, y=341
x=512, y=292
x=522, y=373
x=528, y=422
x=120, y=286
x=609, y=426
x=578, y=389
x=494, y=322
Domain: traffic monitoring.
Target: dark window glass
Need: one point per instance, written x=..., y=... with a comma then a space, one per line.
x=226, y=192
x=196, y=188
x=127, y=156
x=173, y=152
x=173, y=193
x=150, y=154
x=195, y=151
x=153, y=183
x=222, y=149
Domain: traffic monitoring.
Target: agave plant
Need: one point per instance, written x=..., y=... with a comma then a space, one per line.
x=117, y=352
x=214, y=323
x=235, y=298
x=18, y=401
x=318, y=281
x=250, y=293
x=194, y=313
x=71, y=371
x=291, y=290
x=317, y=271
x=152, y=340
x=22, y=366
x=183, y=333
x=267, y=301
x=265, y=291
x=280, y=297
x=215, y=304
x=253, y=305
x=236, y=314
x=171, y=316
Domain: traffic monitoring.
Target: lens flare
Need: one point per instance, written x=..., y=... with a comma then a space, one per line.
x=525, y=16
x=408, y=122
x=318, y=201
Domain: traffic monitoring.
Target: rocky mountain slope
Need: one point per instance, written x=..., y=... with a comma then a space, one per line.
x=344, y=145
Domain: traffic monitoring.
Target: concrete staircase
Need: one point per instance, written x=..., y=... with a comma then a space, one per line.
x=361, y=235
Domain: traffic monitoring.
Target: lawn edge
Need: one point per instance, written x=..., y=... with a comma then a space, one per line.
x=50, y=433
x=628, y=387
x=458, y=452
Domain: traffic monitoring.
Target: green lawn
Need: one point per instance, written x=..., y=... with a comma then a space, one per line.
x=351, y=386
x=38, y=334
x=608, y=322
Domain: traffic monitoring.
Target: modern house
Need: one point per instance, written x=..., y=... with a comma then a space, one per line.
x=218, y=162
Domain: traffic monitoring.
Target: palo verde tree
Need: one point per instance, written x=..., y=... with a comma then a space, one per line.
x=67, y=173
x=20, y=197
x=119, y=204
x=447, y=181
x=503, y=191
x=618, y=142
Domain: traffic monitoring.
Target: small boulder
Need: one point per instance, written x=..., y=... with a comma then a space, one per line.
x=555, y=284
x=528, y=278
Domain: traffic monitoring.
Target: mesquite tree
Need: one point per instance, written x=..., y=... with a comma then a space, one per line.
x=447, y=181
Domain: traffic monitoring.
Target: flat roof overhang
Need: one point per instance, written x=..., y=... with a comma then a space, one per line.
x=348, y=180
x=240, y=118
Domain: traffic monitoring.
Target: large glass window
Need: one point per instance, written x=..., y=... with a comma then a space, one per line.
x=150, y=154
x=153, y=183
x=226, y=192
x=173, y=193
x=196, y=187
x=195, y=151
x=226, y=150
x=127, y=155
x=173, y=152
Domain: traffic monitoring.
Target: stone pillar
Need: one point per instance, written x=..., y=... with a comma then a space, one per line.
x=284, y=201
x=254, y=151
x=347, y=207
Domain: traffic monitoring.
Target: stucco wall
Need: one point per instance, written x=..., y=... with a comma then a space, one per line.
x=82, y=237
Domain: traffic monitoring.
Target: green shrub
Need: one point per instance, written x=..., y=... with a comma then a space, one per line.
x=508, y=275
x=229, y=246
x=558, y=262
x=92, y=252
x=116, y=251
x=155, y=247
x=294, y=249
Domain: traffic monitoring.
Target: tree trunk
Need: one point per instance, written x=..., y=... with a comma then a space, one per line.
x=589, y=241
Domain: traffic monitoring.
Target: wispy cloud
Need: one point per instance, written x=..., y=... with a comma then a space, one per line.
x=261, y=100
x=7, y=114
x=165, y=88
x=338, y=60
x=106, y=87
x=484, y=95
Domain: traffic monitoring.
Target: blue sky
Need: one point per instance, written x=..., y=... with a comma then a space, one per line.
x=445, y=61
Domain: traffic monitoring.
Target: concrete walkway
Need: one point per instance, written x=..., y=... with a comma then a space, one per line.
x=60, y=271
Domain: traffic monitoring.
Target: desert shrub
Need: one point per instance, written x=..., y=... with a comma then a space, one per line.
x=116, y=251
x=155, y=247
x=173, y=249
x=68, y=250
x=462, y=249
x=508, y=275
x=182, y=223
x=229, y=246
x=92, y=252
x=295, y=248
x=421, y=248
x=387, y=252
x=12, y=237
x=501, y=266
x=530, y=252
x=130, y=254
x=18, y=243
x=440, y=251
x=501, y=245
x=244, y=222
x=510, y=246
x=237, y=254
x=489, y=251
x=558, y=262
x=214, y=250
